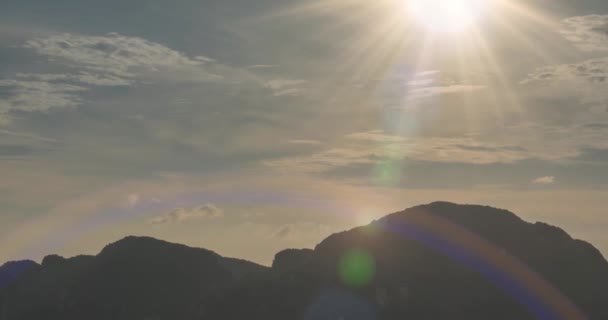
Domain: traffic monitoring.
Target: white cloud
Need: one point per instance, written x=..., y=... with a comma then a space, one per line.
x=109, y=60
x=286, y=87
x=206, y=212
x=113, y=53
x=544, y=180
x=588, y=33
x=427, y=73
x=83, y=78
x=32, y=95
x=432, y=91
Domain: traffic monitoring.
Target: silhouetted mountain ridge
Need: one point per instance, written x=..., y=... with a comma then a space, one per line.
x=435, y=261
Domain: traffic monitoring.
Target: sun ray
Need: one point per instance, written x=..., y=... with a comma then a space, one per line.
x=489, y=59
x=525, y=11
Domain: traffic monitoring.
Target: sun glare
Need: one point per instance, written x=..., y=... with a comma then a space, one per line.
x=447, y=15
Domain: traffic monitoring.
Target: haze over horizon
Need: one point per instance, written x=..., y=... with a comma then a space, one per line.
x=247, y=127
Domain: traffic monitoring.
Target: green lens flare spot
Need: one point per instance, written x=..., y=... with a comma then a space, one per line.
x=387, y=174
x=356, y=268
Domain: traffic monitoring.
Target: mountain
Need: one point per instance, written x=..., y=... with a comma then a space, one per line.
x=11, y=271
x=436, y=261
x=134, y=278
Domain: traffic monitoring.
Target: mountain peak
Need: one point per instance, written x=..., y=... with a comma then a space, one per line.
x=463, y=211
x=144, y=244
x=11, y=271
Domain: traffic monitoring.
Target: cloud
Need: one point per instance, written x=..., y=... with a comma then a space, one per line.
x=300, y=230
x=432, y=91
x=111, y=60
x=179, y=215
x=286, y=87
x=544, y=180
x=303, y=141
x=112, y=53
x=588, y=33
x=594, y=71
x=32, y=95
x=402, y=89
x=586, y=80
x=283, y=232
x=535, y=142
x=83, y=78
x=262, y=66
x=376, y=146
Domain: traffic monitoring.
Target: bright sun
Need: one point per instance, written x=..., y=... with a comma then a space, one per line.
x=447, y=15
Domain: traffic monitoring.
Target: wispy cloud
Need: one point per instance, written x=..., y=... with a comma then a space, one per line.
x=112, y=53
x=32, y=95
x=283, y=232
x=544, y=180
x=593, y=71
x=432, y=91
x=300, y=230
x=286, y=87
x=112, y=60
x=205, y=212
x=587, y=80
x=588, y=33
x=553, y=144
x=82, y=77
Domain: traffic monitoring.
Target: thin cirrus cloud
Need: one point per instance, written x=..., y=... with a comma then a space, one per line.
x=544, y=180
x=179, y=215
x=376, y=145
x=535, y=142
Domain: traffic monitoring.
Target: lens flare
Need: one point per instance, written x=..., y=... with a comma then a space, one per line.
x=357, y=268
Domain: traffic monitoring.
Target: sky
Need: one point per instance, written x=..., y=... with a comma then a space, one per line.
x=247, y=127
